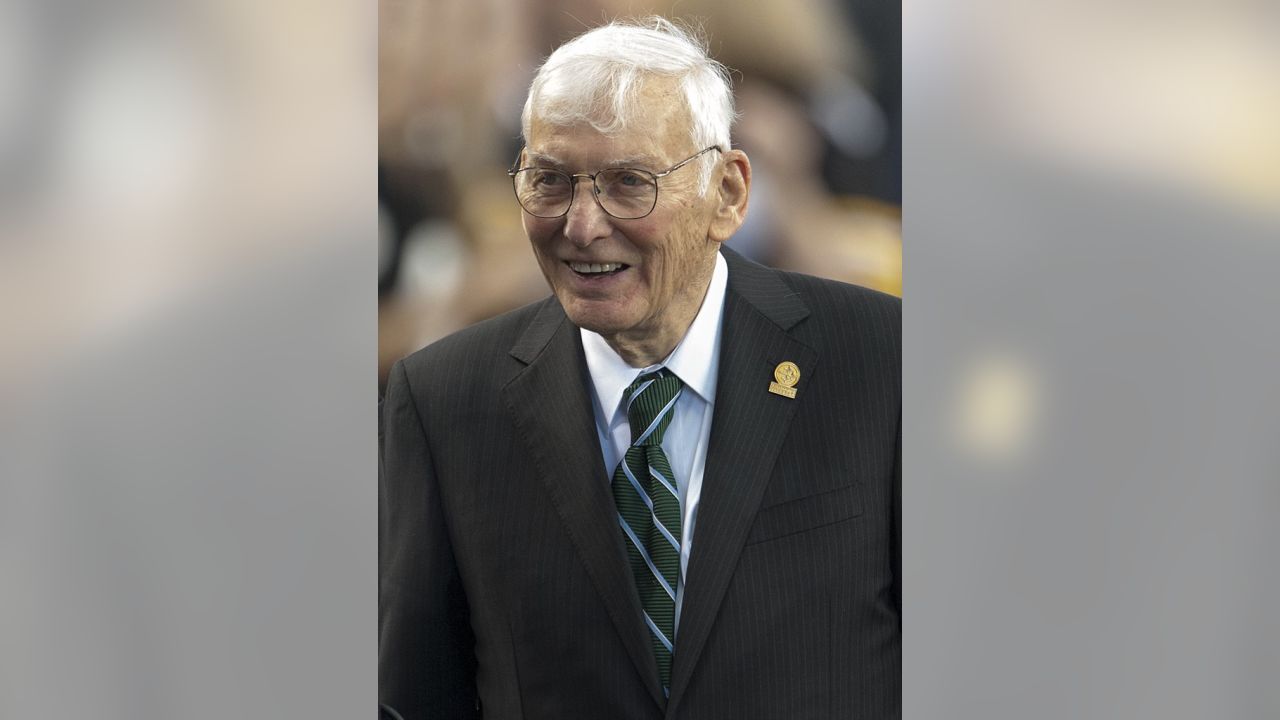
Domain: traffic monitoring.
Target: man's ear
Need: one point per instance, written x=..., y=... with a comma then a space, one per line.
x=731, y=193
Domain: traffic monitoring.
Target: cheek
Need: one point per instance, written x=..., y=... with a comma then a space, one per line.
x=540, y=233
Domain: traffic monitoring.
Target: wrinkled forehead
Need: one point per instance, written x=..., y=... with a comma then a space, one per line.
x=654, y=106
x=555, y=152
x=582, y=148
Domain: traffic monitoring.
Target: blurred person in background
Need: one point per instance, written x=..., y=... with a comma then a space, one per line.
x=817, y=86
x=542, y=473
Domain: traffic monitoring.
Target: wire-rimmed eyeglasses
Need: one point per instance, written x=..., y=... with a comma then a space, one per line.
x=624, y=193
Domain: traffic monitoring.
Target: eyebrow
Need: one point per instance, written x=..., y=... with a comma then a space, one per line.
x=637, y=161
x=540, y=160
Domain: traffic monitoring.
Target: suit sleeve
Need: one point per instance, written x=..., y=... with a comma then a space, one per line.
x=897, y=520
x=426, y=659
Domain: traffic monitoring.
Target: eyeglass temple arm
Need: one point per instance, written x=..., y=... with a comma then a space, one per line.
x=515, y=165
x=686, y=161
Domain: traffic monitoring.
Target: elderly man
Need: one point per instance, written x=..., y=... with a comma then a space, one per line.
x=671, y=489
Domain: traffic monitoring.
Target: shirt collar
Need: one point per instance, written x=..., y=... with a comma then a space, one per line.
x=695, y=359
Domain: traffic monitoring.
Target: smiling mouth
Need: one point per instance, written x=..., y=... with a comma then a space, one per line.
x=596, y=269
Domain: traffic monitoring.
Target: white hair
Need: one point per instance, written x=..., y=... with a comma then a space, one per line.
x=595, y=78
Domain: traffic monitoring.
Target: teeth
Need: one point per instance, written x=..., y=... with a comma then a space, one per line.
x=587, y=268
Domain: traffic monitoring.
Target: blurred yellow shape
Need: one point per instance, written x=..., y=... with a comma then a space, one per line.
x=994, y=415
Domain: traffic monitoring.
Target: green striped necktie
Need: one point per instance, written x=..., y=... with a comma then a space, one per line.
x=644, y=490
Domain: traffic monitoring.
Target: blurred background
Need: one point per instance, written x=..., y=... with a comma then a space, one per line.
x=817, y=84
x=187, y=344
x=1090, y=345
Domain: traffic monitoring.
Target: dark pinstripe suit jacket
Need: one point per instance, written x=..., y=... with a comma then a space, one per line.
x=504, y=583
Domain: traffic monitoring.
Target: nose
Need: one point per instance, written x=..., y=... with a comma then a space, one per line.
x=586, y=221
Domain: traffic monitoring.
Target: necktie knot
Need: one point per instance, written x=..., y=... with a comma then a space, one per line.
x=651, y=403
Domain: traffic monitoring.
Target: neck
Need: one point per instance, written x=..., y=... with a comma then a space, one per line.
x=650, y=349
x=650, y=346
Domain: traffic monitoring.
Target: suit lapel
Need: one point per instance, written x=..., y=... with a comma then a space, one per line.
x=551, y=405
x=748, y=427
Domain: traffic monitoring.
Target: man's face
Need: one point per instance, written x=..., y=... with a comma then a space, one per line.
x=656, y=267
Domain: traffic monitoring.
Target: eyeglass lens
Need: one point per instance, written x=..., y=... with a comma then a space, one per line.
x=623, y=193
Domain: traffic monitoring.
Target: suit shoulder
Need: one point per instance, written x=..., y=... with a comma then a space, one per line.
x=475, y=347
x=844, y=302
x=828, y=311
x=841, y=293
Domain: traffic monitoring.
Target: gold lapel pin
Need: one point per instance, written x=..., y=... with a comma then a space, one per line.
x=786, y=376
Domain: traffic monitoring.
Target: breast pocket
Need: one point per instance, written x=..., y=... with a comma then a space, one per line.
x=806, y=513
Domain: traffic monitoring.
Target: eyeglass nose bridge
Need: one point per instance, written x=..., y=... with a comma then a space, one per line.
x=595, y=191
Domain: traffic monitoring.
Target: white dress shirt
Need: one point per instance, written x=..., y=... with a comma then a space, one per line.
x=696, y=361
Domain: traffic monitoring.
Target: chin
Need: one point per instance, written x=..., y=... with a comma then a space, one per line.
x=595, y=319
x=594, y=323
